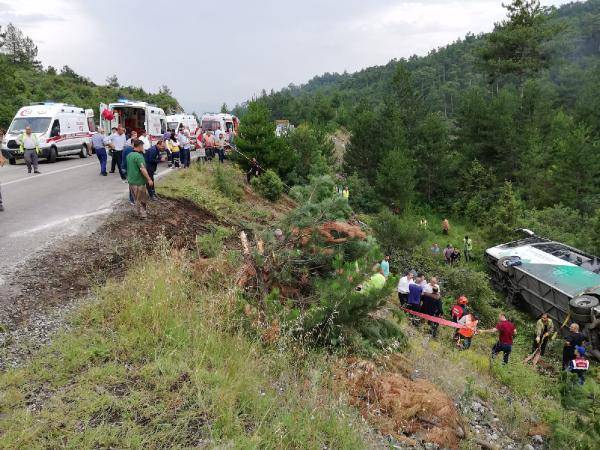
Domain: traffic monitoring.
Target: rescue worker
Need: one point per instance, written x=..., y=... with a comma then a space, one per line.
x=376, y=282
x=346, y=193
x=579, y=365
x=572, y=340
x=467, y=248
x=506, y=331
x=470, y=322
x=458, y=311
x=29, y=145
x=544, y=328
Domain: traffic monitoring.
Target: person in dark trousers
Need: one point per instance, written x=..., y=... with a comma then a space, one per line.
x=153, y=157
x=415, y=291
x=403, y=284
x=544, y=328
x=458, y=311
x=432, y=306
x=573, y=339
x=138, y=178
x=506, y=331
x=579, y=365
x=99, y=142
x=117, y=144
x=254, y=171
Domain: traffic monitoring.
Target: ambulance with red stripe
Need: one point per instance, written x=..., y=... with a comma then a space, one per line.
x=134, y=116
x=61, y=129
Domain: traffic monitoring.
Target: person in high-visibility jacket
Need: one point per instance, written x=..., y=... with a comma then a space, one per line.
x=579, y=365
x=30, y=146
x=469, y=322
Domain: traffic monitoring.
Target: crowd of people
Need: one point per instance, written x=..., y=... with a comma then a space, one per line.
x=422, y=299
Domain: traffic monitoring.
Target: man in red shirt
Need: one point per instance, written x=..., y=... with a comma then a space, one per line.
x=506, y=331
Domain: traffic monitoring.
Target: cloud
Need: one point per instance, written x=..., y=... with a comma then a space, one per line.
x=19, y=17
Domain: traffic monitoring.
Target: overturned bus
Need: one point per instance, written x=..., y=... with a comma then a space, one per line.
x=545, y=276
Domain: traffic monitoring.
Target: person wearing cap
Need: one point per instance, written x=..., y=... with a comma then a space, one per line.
x=579, y=365
x=572, y=340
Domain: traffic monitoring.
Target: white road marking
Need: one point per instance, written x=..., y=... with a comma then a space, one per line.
x=57, y=223
x=35, y=176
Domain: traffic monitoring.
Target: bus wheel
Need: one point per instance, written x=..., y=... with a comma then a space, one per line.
x=12, y=161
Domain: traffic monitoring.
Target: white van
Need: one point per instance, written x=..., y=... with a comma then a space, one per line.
x=136, y=116
x=60, y=128
x=186, y=120
x=224, y=122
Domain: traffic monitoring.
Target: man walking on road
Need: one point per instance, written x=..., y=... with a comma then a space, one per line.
x=30, y=146
x=2, y=162
x=152, y=157
x=138, y=177
x=99, y=142
x=117, y=142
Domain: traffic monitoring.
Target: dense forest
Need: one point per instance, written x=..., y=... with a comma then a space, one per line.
x=23, y=80
x=511, y=118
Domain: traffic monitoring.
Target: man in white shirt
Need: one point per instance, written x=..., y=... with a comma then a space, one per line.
x=403, y=285
x=144, y=138
x=184, y=145
x=117, y=143
x=428, y=288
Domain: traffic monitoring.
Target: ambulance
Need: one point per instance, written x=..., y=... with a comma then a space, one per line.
x=186, y=120
x=61, y=129
x=224, y=122
x=134, y=116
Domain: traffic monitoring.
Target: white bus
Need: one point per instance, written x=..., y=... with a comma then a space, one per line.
x=61, y=130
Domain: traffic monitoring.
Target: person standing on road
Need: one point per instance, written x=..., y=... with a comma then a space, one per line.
x=29, y=145
x=99, y=142
x=153, y=157
x=220, y=143
x=117, y=143
x=2, y=162
x=210, y=145
x=184, y=146
x=506, y=331
x=133, y=137
x=144, y=138
x=544, y=328
x=138, y=178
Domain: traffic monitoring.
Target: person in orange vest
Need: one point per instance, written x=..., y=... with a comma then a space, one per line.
x=579, y=365
x=458, y=311
x=469, y=322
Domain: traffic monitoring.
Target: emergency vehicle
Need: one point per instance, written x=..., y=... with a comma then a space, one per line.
x=223, y=122
x=61, y=130
x=135, y=116
x=185, y=120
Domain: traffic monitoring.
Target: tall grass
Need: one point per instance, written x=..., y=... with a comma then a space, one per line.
x=159, y=362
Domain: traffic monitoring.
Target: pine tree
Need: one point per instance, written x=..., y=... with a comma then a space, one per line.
x=504, y=215
x=224, y=108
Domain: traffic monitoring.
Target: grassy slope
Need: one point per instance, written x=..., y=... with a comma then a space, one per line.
x=160, y=360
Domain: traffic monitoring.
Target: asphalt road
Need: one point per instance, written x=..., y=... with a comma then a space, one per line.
x=66, y=198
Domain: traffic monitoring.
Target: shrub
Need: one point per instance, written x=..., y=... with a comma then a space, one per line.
x=228, y=181
x=396, y=232
x=211, y=244
x=269, y=185
x=363, y=197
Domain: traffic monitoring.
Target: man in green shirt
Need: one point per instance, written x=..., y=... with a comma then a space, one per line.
x=137, y=177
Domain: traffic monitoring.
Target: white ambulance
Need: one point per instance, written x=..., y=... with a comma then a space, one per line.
x=224, y=122
x=185, y=120
x=61, y=130
x=135, y=116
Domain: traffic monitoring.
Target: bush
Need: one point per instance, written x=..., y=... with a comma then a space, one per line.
x=228, y=181
x=269, y=185
x=396, y=232
x=363, y=197
x=211, y=244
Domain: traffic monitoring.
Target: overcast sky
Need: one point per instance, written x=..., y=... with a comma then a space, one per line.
x=211, y=52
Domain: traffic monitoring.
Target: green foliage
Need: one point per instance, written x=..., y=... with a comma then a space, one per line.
x=269, y=185
x=312, y=150
x=363, y=197
x=397, y=232
x=395, y=180
x=227, y=180
x=211, y=244
x=504, y=215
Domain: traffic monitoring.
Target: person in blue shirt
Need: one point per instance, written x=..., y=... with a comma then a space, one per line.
x=385, y=266
x=153, y=157
x=415, y=291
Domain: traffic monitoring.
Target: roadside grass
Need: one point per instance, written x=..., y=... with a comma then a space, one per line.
x=160, y=361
